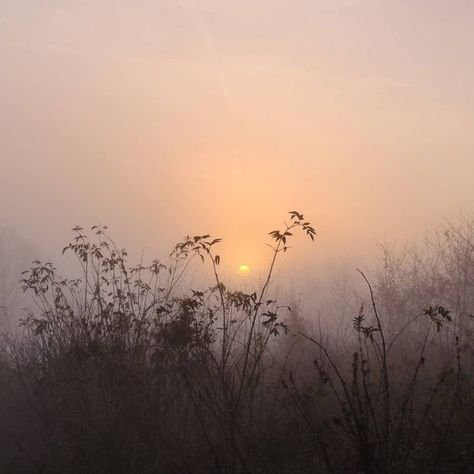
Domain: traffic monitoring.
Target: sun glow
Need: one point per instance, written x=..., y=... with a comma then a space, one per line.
x=244, y=269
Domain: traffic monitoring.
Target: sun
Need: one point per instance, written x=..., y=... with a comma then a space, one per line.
x=244, y=269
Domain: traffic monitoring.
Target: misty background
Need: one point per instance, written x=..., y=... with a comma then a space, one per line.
x=163, y=119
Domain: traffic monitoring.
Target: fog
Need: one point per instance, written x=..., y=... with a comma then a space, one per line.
x=162, y=119
x=168, y=118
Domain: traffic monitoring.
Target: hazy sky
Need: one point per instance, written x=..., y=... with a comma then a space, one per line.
x=161, y=118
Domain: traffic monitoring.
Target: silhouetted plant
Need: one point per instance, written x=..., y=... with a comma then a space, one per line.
x=380, y=420
x=126, y=369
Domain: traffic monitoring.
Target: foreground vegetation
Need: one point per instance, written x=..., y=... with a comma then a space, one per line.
x=120, y=371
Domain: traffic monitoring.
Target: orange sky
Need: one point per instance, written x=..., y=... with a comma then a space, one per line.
x=162, y=118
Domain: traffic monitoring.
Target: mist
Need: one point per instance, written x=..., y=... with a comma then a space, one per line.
x=161, y=119
x=134, y=134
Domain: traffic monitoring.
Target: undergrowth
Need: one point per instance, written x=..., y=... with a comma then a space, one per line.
x=121, y=371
